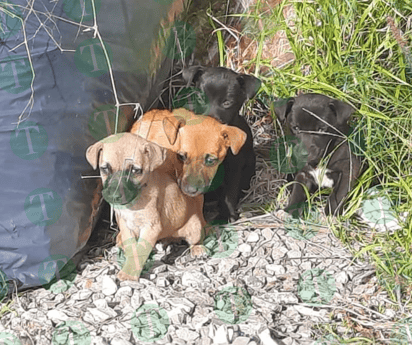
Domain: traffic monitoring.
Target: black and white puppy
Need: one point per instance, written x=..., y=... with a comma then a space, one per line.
x=321, y=124
x=225, y=92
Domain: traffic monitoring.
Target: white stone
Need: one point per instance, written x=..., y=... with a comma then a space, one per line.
x=304, y=332
x=279, y=252
x=182, y=303
x=100, y=303
x=230, y=334
x=198, y=321
x=159, y=269
x=245, y=248
x=241, y=341
x=120, y=341
x=389, y=313
x=341, y=277
x=205, y=341
x=305, y=265
x=124, y=291
x=266, y=339
x=162, y=282
x=194, y=278
x=136, y=300
x=101, y=316
x=275, y=269
x=186, y=334
x=57, y=316
x=82, y=295
x=175, y=316
x=287, y=298
x=305, y=311
x=267, y=233
x=253, y=237
x=212, y=331
x=227, y=265
x=109, y=287
x=29, y=315
x=257, y=261
x=220, y=336
x=294, y=254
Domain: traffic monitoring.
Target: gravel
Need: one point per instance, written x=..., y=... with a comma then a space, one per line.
x=271, y=289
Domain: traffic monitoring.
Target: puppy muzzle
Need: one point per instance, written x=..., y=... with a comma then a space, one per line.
x=193, y=186
x=119, y=189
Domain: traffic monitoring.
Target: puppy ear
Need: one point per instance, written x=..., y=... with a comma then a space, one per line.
x=93, y=153
x=155, y=154
x=171, y=126
x=283, y=107
x=192, y=74
x=250, y=83
x=342, y=110
x=234, y=137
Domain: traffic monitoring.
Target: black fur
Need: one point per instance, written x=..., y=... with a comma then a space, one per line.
x=321, y=136
x=225, y=92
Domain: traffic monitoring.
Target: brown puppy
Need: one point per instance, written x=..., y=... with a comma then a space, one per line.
x=201, y=143
x=139, y=182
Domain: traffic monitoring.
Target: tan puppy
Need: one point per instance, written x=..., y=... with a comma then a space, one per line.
x=201, y=143
x=139, y=182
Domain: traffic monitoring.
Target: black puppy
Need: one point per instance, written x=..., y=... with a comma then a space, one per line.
x=225, y=92
x=320, y=123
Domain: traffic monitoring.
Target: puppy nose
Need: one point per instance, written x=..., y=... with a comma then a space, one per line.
x=191, y=190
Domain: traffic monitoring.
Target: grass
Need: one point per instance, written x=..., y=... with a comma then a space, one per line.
x=358, y=52
x=353, y=55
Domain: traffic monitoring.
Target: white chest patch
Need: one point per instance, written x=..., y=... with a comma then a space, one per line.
x=320, y=177
x=128, y=217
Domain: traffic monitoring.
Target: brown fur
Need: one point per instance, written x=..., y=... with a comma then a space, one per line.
x=161, y=211
x=192, y=136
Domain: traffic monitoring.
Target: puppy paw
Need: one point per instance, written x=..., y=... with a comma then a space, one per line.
x=122, y=276
x=119, y=241
x=281, y=214
x=233, y=218
x=131, y=269
x=197, y=250
x=227, y=218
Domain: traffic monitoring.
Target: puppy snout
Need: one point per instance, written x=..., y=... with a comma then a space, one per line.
x=119, y=189
x=315, y=153
x=191, y=190
x=194, y=185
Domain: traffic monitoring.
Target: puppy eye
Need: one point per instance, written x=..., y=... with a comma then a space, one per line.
x=210, y=161
x=105, y=169
x=226, y=104
x=182, y=156
x=137, y=170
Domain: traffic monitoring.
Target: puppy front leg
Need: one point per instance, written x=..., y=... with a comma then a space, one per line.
x=120, y=225
x=231, y=193
x=247, y=172
x=298, y=196
x=344, y=173
x=198, y=232
x=341, y=183
x=137, y=250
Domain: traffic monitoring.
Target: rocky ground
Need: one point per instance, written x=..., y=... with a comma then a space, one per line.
x=263, y=282
x=267, y=279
